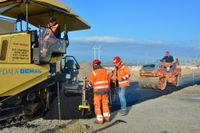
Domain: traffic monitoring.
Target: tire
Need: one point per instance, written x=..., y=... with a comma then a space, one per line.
x=177, y=82
x=162, y=83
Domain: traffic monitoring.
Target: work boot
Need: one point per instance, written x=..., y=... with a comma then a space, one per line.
x=98, y=122
x=123, y=112
x=107, y=119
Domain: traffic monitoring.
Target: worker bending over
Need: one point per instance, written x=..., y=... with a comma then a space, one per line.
x=100, y=80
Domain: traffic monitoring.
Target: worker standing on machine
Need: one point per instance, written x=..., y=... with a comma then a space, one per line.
x=50, y=35
x=120, y=77
x=100, y=80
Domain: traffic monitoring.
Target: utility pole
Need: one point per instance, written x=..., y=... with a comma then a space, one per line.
x=97, y=52
x=146, y=58
x=94, y=52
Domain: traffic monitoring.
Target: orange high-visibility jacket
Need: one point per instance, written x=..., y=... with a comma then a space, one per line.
x=122, y=74
x=54, y=28
x=49, y=32
x=100, y=80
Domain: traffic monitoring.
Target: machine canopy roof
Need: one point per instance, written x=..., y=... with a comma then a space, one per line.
x=41, y=10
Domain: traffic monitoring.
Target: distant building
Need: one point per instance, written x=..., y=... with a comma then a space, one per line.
x=7, y=25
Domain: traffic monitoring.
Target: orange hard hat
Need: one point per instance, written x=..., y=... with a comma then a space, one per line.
x=95, y=62
x=116, y=59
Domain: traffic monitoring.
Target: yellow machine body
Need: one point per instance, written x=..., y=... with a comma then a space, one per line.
x=16, y=78
x=29, y=79
x=15, y=48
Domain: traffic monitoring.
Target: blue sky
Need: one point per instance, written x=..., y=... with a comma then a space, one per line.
x=166, y=20
x=137, y=29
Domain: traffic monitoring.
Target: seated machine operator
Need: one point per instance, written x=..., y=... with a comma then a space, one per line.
x=167, y=58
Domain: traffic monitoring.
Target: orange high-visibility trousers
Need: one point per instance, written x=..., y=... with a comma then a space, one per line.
x=101, y=100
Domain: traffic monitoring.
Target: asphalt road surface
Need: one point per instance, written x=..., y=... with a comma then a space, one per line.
x=136, y=95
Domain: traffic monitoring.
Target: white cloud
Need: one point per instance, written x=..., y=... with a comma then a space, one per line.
x=102, y=39
x=110, y=39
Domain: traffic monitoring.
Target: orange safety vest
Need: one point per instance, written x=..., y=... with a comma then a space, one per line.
x=51, y=31
x=100, y=80
x=53, y=28
x=122, y=73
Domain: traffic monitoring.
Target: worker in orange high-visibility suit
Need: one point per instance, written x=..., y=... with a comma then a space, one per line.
x=100, y=80
x=120, y=77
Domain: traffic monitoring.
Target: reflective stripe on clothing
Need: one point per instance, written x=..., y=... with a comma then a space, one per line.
x=99, y=117
x=102, y=87
x=125, y=77
x=94, y=73
x=123, y=82
x=99, y=85
x=106, y=114
x=101, y=82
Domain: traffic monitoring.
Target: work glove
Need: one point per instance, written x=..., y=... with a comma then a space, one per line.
x=89, y=87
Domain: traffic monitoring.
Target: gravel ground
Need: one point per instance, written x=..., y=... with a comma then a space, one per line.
x=50, y=126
